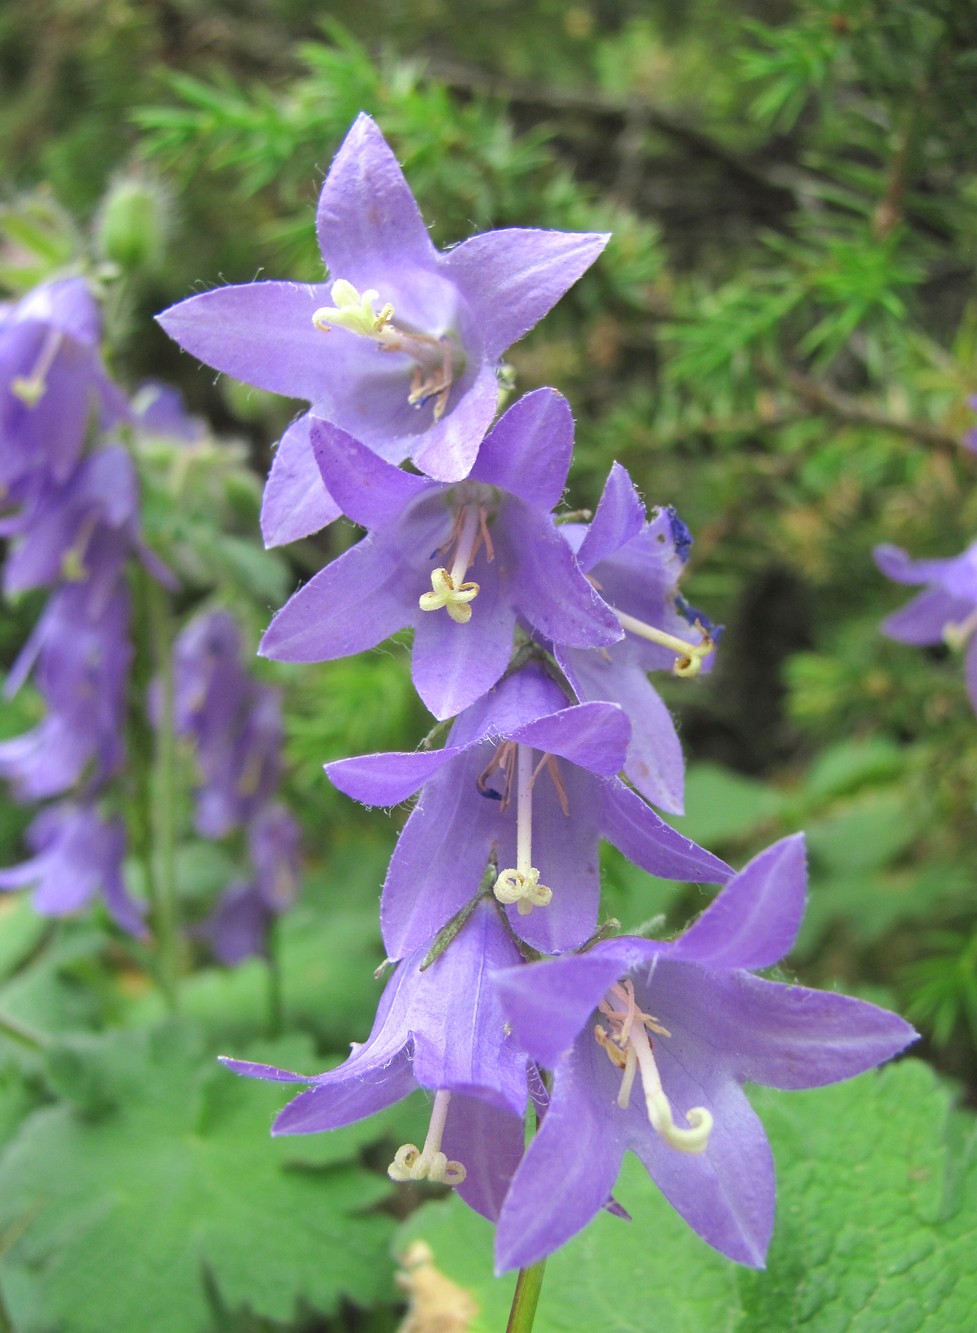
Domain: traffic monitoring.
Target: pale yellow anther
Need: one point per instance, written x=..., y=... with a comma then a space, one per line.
x=523, y=889
x=455, y=600
x=30, y=389
x=354, y=311
x=689, y=656
x=410, y=1163
x=957, y=633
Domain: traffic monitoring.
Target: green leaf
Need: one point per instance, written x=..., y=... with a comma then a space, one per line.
x=172, y=1198
x=876, y=1228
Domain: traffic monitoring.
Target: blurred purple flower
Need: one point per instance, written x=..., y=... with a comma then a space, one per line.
x=76, y=854
x=946, y=612
x=52, y=382
x=415, y=378
x=426, y=539
x=469, y=808
x=81, y=654
x=716, y=1026
x=441, y=1029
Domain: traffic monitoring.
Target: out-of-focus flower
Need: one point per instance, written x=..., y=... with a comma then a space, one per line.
x=946, y=612
x=77, y=854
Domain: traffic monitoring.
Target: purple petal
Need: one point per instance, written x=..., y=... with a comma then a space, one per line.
x=296, y=502
x=785, y=1036
x=654, y=762
x=514, y=277
x=447, y=450
x=649, y=842
x=453, y=665
x=432, y=874
x=726, y=1194
x=259, y=332
x=528, y=452
x=548, y=589
x=970, y=666
x=548, y=1004
x=353, y=604
x=923, y=620
x=567, y=1174
x=754, y=921
x=489, y=1144
x=592, y=735
x=250, y=1070
x=368, y=490
x=387, y=779
x=620, y=516
x=353, y=1096
x=367, y=215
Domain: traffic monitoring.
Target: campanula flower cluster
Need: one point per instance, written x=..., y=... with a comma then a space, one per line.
x=72, y=521
x=71, y=517
x=534, y=636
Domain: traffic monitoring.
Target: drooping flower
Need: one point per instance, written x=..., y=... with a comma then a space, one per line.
x=441, y=1029
x=80, y=654
x=650, y=1043
x=77, y=853
x=945, y=612
x=635, y=563
x=460, y=563
x=233, y=720
x=529, y=780
x=400, y=349
x=52, y=384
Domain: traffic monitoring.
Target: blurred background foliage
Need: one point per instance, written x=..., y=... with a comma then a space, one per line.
x=781, y=341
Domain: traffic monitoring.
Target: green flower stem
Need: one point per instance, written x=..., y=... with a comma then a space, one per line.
x=20, y=1032
x=276, y=1008
x=526, y=1298
x=163, y=820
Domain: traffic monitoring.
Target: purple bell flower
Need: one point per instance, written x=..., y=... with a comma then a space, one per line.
x=76, y=854
x=52, y=382
x=946, y=612
x=460, y=563
x=400, y=349
x=650, y=1043
x=635, y=564
x=530, y=779
x=441, y=1029
x=81, y=655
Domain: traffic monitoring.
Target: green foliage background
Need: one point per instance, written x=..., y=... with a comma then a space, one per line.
x=780, y=340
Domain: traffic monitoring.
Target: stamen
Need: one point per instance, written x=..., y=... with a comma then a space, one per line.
x=434, y=358
x=521, y=885
x=689, y=655
x=629, y=1048
x=957, y=633
x=30, y=389
x=448, y=588
x=429, y=1162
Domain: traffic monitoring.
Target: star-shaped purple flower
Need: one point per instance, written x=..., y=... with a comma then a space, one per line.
x=635, y=564
x=473, y=803
x=409, y=362
x=650, y=1043
x=460, y=563
x=440, y=1029
x=946, y=612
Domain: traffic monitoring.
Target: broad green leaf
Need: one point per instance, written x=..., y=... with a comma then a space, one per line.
x=162, y=1194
